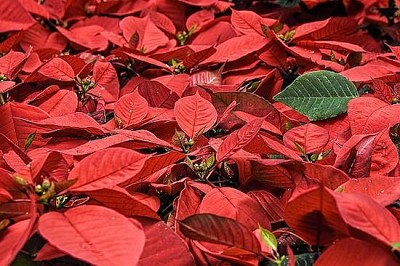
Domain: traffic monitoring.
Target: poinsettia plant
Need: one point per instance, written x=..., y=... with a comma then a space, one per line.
x=205, y=132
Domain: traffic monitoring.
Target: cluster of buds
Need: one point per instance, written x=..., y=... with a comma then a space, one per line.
x=182, y=37
x=3, y=77
x=177, y=67
x=46, y=191
x=180, y=140
x=85, y=85
x=203, y=168
x=287, y=37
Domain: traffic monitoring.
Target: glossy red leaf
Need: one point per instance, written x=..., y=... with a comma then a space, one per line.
x=366, y=215
x=159, y=236
x=130, y=109
x=348, y=251
x=238, y=139
x=150, y=172
x=194, y=114
x=314, y=215
x=220, y=230
x=57, y=69
x=236, y=205
x=384, y=190
x=123, y=202
x=94, y=234
x=106, y=168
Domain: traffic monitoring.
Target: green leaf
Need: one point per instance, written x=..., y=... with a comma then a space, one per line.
x=268, y=238
x=29, y=140
x=395, y=245
x=287, y=3
x=319, y=95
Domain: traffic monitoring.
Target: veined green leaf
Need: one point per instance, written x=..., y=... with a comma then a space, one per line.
x=319, y=95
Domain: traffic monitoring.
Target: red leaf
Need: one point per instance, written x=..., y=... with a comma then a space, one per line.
x=159, y=236
x=348, y=251
x=194, y=114
x=199, y=2
x=157, y=95
x=59, y=103
x=130, y=109
x=384, y=155
x=330, y=176
x=76, y=121
x=106, y=168
x=248, y=22
x=94, y=234
x=325, y=29
x=236, y=205
x=236, y=48
x=121, y=201
x=271, y=205
x=199, y=19
x=371, y=115
x=384, y=190
x=315, y=217
x=220, y=230
x=106, y=80
x=11, y=63
x=366, y=215
x=14, y=17
x=13, y=127
x=57, y=69
x=152, y=166
x=238, y=139
x=150, y=37
x=382, y=90
x=311, y=138
x=271, y=173
x=13, y=239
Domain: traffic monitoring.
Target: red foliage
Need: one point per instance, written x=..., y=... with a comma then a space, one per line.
x=144, y=133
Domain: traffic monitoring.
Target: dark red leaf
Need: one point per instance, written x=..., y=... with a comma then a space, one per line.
x=314, y=215
x=219, y=230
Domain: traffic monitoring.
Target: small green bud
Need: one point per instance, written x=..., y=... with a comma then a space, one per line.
x=38, y=189
x=46, y=184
